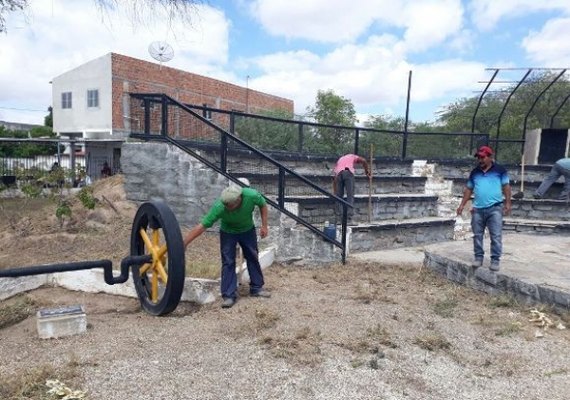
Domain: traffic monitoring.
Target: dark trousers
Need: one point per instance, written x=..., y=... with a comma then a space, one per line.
x=248, y=244
x=345, y=183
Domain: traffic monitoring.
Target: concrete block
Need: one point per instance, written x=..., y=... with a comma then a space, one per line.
x=61, y=321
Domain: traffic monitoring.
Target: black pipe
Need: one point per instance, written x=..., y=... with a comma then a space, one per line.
x=107, y=266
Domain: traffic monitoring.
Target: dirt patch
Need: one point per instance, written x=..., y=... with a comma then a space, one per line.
x=33, y=234
x=362, y=330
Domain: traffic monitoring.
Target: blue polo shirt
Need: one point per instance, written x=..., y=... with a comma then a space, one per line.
x=487, y=186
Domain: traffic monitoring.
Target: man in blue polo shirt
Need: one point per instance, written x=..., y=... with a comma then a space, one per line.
x=489, y=182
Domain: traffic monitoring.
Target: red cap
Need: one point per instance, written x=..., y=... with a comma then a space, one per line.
x=484, y=151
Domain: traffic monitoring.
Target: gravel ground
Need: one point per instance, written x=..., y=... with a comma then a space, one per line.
x=365, y=330
x=360, y=331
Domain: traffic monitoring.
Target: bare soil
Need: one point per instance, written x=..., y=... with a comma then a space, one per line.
x=364, y=330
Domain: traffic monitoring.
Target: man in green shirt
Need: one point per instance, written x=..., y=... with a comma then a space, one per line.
x=235, y=210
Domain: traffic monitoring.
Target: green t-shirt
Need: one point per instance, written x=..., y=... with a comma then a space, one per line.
x=239, y=220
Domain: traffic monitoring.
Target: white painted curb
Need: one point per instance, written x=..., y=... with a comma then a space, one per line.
x=196, y=290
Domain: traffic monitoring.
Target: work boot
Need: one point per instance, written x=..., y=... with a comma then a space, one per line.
x=261, y=293
x=228, y=302
x=494, y=266
x=537, y=196
x=478, y=262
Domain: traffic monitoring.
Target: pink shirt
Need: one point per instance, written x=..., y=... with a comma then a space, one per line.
x=346, y=161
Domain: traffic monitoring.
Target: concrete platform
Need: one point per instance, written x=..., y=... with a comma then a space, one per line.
x=534, y=268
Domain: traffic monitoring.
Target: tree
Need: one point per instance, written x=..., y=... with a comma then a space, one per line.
x=139, y=11
x=331, y=109
x=48, y=119
x=7, y=6
x=458, y=116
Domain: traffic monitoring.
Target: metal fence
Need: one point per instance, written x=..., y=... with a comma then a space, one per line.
x=168, y=120
x=21, y=159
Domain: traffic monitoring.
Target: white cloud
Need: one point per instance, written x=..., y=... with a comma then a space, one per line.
x=432, y=22
x=550, y=46
x=374, y=75
x=487, y=13
x=62, y=34
x=425, y=23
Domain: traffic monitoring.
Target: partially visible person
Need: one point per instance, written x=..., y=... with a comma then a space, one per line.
x=106, y=170
x=560, y=168
x=489, y=183
x=235, y=210
x=344, y=171
x=58, y=174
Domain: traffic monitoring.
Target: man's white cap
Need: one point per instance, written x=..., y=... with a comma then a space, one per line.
x=230, y=194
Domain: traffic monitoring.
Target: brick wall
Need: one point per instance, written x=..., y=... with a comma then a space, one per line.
x=138, y=76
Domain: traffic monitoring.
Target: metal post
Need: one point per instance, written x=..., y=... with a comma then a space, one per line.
x=405, y=139
x=164, y=122
x=146, y=116
x=301, y=138
x=356, y=140
x=72, y=161
x=281, y=189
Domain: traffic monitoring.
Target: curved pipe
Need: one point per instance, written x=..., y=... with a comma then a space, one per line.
x=107, y=266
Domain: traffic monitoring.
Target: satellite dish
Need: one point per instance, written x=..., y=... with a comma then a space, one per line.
x=161, y=51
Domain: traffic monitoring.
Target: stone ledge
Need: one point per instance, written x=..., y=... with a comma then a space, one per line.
x=196, y=290
x=496, y=283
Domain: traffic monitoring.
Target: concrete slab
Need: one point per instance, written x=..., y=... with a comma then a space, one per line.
x=534, y=268
x=61, y=321
x=413, y=256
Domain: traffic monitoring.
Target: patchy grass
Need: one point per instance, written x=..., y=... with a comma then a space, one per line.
x=446, y=307
x=16, y=310
x=265, y=319
x=31, y=384
x=432, y=342
x=509, y=328
x=302, y=348
x=503, y=301
x=382, y=336
x=203, y=269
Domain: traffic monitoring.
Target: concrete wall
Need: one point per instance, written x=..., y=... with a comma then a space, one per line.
x=157, y=171
x=80, y=118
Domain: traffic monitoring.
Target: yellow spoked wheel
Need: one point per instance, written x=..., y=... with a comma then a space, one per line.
x=159, y=283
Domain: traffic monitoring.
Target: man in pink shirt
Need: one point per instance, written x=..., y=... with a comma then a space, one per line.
x=344, y=177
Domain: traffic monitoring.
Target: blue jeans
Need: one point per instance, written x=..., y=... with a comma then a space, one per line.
x=248, y=243
x=492, y=218
x=555, y=173
x=345, y=182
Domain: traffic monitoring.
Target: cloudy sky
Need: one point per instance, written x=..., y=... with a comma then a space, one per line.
x=361, y=49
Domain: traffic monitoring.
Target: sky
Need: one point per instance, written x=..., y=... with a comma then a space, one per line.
x=362, y=50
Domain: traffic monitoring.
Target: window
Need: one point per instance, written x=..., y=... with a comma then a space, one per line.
x=66, y=100
x=93, y=98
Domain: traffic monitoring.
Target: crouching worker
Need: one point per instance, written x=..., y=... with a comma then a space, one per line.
x=235, y=210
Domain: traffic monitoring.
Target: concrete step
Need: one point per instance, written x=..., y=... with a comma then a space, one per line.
x=318, y=209
x=393, y=234
x=521, y=225
x=528, y=190
x=533, y=270
x=268, y=184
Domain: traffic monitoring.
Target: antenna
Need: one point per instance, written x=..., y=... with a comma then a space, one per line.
x=161, y=51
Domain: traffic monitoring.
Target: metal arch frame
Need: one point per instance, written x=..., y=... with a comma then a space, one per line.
x=505, y=106
x=558, y=110
x=529, y=70
x=536, y=101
